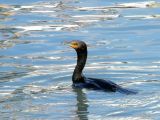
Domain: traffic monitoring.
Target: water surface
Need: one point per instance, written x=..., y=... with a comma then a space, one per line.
x=36, y=67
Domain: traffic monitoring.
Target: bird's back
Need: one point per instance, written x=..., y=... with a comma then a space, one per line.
x=104, y=85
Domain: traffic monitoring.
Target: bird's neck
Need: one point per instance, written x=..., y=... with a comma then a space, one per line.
x=81, y=61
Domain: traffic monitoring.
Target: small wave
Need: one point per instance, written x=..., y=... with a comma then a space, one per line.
x=47, y=27
x=135, y=17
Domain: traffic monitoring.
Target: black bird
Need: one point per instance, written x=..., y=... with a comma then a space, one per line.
x=80, y=81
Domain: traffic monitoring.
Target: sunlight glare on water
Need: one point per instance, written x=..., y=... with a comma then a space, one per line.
x=36, y=66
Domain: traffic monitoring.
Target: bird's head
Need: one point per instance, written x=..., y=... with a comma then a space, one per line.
x=78, y=45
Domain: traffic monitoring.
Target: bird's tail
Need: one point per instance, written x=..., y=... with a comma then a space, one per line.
x=127, y=91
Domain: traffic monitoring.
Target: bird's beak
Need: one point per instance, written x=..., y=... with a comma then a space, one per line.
x=74, y=45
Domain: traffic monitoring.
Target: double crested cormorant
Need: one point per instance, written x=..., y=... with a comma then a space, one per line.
x=80, y=81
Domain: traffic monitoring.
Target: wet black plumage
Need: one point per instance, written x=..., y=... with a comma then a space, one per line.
x=80, y=81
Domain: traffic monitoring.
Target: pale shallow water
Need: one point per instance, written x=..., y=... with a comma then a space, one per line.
x=36, y=67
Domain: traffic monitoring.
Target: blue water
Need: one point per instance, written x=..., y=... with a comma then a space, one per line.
x=36, y=66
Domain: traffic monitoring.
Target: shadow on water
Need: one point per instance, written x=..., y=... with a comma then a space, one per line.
x=82, y=106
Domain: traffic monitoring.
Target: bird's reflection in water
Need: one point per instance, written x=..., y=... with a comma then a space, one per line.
x=82, y=106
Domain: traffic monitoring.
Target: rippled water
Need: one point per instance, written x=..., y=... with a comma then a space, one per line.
x=36, y=67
